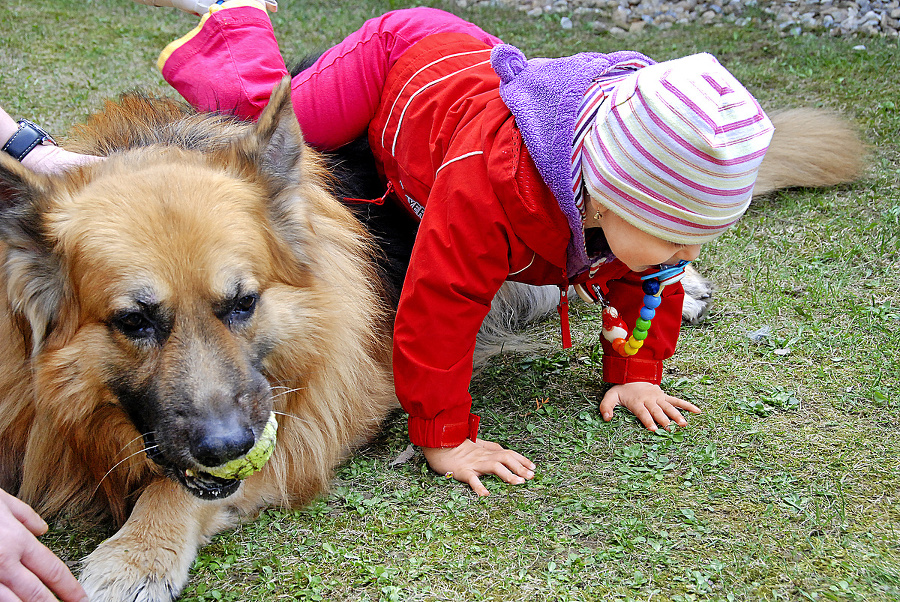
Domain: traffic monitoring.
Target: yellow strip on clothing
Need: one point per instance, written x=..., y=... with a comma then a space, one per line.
x=173, y=46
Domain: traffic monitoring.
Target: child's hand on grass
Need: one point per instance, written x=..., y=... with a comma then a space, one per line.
x=473, y=459
x=648, y=402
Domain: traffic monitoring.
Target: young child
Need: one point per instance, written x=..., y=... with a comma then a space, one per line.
x=591, y=170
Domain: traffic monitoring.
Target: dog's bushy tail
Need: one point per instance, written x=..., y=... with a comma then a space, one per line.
x=514, y=306
x=810, y=148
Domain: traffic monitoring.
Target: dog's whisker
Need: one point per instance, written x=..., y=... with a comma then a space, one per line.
x=116, y=465
x=287, y=391
x=294, y=416
x=124, y=447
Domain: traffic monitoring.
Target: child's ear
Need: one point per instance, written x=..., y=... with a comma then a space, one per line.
x=600, y=209
x=594, y=212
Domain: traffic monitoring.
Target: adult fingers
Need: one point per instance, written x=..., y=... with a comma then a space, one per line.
x=53, y=572
x=25, y=514
x=22, y=585
x=6, y=595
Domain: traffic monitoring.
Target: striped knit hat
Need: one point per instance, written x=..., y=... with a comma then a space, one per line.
x=675, y=149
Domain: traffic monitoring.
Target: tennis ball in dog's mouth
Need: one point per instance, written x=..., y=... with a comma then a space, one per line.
x=253, y=460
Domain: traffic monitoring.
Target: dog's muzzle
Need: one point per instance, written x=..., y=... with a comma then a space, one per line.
x=205, y=486
x=201, y=484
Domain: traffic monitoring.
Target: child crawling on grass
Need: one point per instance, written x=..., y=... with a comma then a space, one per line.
x=603, y=171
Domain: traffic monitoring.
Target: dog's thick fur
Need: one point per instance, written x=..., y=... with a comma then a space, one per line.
x=170, y=296
x=157, y=305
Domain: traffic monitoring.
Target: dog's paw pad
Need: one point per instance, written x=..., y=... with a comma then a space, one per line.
x=117, y=571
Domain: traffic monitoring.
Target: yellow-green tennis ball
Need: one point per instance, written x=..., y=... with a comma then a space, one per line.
x=253, y=460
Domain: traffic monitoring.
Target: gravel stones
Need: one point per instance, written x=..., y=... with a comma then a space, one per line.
x=793, y=17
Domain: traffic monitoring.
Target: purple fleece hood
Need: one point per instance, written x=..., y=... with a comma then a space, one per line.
x=544, y=96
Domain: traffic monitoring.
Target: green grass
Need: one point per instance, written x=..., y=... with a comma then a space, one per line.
x=785, y=488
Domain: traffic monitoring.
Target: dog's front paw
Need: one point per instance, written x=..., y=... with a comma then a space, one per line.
x=149, y=558
x=124, y=568
x=697, y=296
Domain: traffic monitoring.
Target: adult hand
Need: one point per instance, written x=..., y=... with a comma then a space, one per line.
x=648, y=402
x=53, y=159
x=29, y=572
x=473, y=459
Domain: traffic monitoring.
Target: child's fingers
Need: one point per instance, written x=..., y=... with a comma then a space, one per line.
x=674, y=414
x=503, y=473
x=522, y=465
x=671, y=404
x=643, y=414
x=526, y=471
x=660, y=414
x=475, y=483
x=512, y=459
x=684, y=405
x=488, y=445
x=608, y=405
x=507, y=466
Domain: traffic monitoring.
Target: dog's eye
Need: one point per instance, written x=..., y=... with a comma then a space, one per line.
x=135, y=325
x=243, y=308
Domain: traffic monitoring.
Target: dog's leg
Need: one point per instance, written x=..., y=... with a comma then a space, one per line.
x=149, y=558
x=697, y=296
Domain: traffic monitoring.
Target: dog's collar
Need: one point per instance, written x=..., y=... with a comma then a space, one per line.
x=27, y=137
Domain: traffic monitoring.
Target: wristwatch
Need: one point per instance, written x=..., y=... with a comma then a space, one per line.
x=28, y=136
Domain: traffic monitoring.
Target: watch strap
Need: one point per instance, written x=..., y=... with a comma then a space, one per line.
x=28, y=136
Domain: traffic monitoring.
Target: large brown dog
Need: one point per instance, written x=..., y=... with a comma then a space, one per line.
x=156, y=306
x=165, y=300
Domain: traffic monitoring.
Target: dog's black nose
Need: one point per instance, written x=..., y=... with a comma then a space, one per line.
x=221, y=440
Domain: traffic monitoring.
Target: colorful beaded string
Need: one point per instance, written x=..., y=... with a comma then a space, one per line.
x=614, y=328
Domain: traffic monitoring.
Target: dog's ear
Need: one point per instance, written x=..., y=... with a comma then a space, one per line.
x=33, y=273
x=274, y=146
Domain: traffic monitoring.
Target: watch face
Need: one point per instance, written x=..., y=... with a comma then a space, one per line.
x=45, y=137
x=28, y=136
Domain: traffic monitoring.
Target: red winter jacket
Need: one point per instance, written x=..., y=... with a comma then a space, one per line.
x=451, y=149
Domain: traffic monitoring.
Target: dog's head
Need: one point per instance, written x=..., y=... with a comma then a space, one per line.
x=164, y=281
